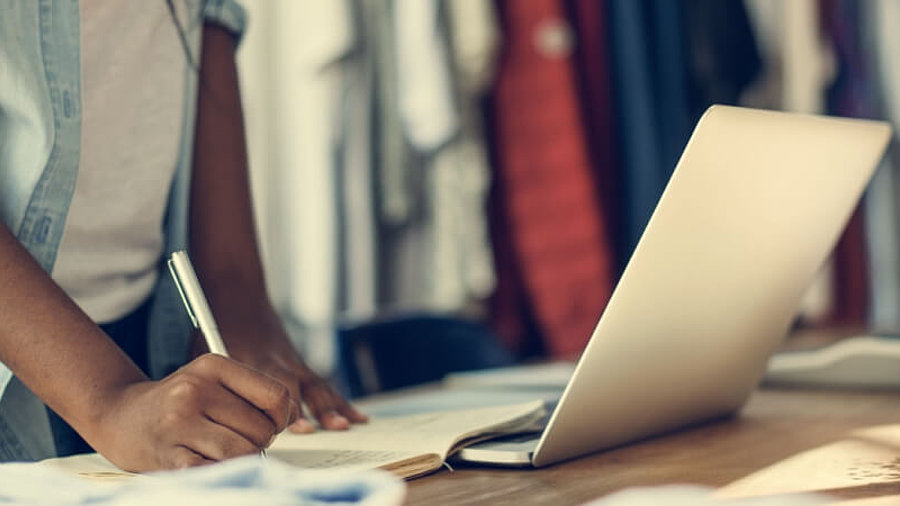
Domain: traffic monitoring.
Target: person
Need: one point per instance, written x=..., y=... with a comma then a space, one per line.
x=121, y=140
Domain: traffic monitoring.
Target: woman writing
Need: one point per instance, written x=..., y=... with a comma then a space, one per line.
x=121, y=140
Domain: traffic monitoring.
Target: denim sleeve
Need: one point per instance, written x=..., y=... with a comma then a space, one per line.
x=227, y=13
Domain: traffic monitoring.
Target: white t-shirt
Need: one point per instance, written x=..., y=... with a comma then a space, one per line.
x=132, y=66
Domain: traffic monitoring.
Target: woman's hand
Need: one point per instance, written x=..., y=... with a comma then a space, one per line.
x=270, y=351
x=209, y=410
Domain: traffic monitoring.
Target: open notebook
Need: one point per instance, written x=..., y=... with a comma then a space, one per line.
x=407, y=446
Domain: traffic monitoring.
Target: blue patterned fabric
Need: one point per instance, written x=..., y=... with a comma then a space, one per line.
x=248, y=480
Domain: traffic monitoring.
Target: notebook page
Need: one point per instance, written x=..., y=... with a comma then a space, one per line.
x=418, y=434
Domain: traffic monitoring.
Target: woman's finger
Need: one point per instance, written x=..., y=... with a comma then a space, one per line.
x=318, y=397
x=216, y=442
x=231, y=411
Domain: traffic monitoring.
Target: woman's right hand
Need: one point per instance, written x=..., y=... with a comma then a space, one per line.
x=209, y=410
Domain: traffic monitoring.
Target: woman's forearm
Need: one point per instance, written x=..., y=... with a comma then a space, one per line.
x=223, y=239
x=51, y=345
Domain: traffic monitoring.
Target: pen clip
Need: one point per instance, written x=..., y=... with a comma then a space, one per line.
x=187, y=304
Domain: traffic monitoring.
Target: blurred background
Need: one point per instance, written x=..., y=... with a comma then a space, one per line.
x=459, y=183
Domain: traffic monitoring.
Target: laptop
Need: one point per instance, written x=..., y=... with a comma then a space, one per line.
x=751, y=212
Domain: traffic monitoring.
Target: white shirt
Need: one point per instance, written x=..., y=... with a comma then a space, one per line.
x=132, y=67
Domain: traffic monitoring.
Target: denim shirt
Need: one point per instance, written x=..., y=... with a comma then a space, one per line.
x=40, y=143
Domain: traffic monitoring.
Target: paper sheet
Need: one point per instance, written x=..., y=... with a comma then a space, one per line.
x=426, y=433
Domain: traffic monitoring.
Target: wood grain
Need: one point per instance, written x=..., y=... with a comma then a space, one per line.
x=774, y=425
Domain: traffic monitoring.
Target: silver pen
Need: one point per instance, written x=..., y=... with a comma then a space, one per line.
x=195, y=303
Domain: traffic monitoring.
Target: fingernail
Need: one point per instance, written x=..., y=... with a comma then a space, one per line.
x=302, y=425
x=337, y=421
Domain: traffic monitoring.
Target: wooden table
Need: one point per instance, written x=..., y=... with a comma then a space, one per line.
x=774, y=425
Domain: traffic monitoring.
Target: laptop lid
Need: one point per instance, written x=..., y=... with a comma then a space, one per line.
x=752, y=210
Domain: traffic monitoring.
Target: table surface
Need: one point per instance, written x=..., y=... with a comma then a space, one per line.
x=772, y=426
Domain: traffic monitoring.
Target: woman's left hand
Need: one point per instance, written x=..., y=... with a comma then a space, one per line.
x=272, y=353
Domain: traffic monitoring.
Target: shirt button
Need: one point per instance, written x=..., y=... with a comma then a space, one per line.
x=42, y=229
x=68, y=106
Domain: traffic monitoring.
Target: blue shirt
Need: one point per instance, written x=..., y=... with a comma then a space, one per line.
x=40, y=142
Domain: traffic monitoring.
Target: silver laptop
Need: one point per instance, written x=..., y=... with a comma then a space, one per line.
x=753, y=208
